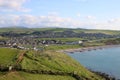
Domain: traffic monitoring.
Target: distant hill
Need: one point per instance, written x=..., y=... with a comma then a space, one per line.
x=78, y=30
x=59, y=33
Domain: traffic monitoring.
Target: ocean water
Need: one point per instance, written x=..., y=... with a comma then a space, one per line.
x=106, y=60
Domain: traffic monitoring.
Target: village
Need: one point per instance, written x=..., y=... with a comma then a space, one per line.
x=27, y=43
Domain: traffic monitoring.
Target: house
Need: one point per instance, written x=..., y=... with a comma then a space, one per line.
x=3, y=43
x=35, y=49
x=73, y=43
x=80, y=42
x=14, y=45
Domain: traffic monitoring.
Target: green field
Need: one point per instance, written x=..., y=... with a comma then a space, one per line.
x=62, y=39
x=56, y=62
x=78, y=30
x=61, y=47
x=46, y=61
x=7, y=56
x=111, y=32
x=29, y=76
x=15, y=30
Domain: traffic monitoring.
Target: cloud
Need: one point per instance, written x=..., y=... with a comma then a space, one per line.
x=37, y=21
x=6, y=20
x=32, y=21
x=90, y=17
x=53, y=13
x=13, y=5
x=78, y=15
x=112, y=25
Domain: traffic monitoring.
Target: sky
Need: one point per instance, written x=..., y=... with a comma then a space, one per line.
x=89, y=14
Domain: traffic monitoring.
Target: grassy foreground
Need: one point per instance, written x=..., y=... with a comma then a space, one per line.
x=28, y=76
x=8, y=56
x=47, y=65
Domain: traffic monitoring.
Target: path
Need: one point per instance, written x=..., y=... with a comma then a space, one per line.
x=20, y=58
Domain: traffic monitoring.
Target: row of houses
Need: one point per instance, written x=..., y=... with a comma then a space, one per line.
x=36, y=42
x=29, y=42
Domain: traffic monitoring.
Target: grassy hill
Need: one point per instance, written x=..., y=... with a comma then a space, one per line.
x=46, y=65
x=78, y=30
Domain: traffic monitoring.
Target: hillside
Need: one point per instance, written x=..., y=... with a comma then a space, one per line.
x=88, y=34
x=78, y=30
x=112, y=41
x=16, y=75
x=44, y=65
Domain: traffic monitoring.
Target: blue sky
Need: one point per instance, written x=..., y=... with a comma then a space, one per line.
x=92, y=14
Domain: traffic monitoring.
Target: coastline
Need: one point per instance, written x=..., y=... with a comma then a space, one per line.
x=102, y=74
x=82, y=49
x=88, y=48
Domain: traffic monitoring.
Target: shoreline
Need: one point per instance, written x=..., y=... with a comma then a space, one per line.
x=83, y=49
x=102, y=74
x=80, y=50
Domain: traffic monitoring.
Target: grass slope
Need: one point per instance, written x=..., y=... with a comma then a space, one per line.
x=28, y=76
x=55, y=61
x=7, y=56
x=43, y=61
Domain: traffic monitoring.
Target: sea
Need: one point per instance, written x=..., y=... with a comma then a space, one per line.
x=105, y=60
